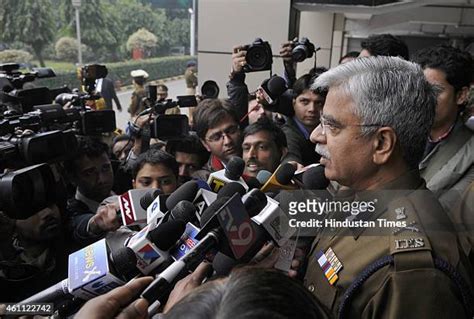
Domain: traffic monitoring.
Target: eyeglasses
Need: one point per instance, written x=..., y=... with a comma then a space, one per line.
x=334, y=127
x=216, y=137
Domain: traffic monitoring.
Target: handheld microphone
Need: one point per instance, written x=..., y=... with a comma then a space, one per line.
x=91, y=273
x=134, y=204
x=232, y=173
x=152, y=243
x=280, y=179
x=272, y=88
x=224, y=219
x=314, y=178
x=230, y=189
x=187, y=191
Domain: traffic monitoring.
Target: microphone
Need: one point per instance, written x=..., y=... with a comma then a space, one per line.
x=157, y=209
x=314, y=178
x=92, y=271
x=152, y=243
x=224, y=219
x=184, y=211
x=263, y=176
x=203, y=199
x=278, y=98
x=134, y=204
x=187, y=191
x=232, y=173
x=230, y=189
x=253, y=182
x=272, y=88
x=280, y=179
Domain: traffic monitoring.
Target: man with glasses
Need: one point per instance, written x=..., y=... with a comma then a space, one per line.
x=217, y=127
x=374, y=126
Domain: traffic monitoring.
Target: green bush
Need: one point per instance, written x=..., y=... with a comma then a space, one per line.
x=66, y=49
x=15, y=56
x=157, y=68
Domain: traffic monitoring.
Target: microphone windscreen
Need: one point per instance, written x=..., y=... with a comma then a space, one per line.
x=184, y=211
x=252, y=183
x=263, y=176
x=254, y=201
x=276, y=86
x=187, y=191
x=212, y=209
x=234, y=168
x=124, y=260
x=230, y=189
x=314, y=178
x=285, y=173
x=148, y=198
x=167, y=234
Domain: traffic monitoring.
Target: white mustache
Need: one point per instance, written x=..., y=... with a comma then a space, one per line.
x=321, y=150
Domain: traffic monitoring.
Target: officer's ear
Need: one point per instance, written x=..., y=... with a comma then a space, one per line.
x=384, y=143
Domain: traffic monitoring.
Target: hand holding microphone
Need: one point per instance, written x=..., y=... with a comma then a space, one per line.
x=112, y=304
x=105, y=220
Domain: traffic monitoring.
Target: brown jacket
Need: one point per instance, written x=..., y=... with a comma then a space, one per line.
x=393, y=273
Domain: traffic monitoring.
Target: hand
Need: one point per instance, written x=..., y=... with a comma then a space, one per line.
x=105, y=219
x=187, y=285
x=285, y=51
x=143, y=120
x=269, y=254
x=238, y=58
x=110, y=304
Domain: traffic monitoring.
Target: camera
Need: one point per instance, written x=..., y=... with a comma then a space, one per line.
x=210, y=90
x=303, y=50
x=259, y=56
x=26, y=191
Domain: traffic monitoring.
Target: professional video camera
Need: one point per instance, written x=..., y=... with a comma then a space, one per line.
x=167, y=127
x=12, y=93
x=303, y=50
x=90, y=122
x=26, y=191
x=258, y=57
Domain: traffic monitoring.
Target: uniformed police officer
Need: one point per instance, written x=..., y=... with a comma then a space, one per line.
x=373, y=130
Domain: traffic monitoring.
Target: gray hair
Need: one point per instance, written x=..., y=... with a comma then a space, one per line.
x=391, y=92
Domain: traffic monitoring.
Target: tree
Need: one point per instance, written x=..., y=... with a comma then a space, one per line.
x=142, y=39
x=28, y=21
x=98, y=26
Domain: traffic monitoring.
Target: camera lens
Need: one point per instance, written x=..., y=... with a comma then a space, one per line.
x=210, y=89
x=299, y=53
x=257, y=57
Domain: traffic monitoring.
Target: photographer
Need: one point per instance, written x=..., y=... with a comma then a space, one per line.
x=246, y=105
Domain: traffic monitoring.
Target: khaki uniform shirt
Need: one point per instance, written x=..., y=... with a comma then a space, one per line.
x=410, y=286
